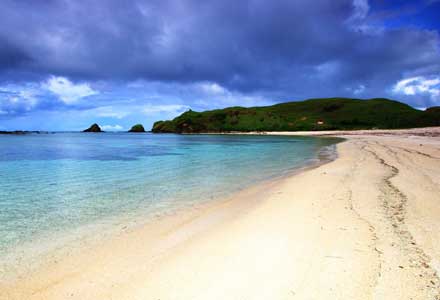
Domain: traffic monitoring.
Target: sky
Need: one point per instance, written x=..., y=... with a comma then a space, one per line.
x=65, y=64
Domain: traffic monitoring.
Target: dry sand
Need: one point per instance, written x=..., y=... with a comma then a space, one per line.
x=365, y=226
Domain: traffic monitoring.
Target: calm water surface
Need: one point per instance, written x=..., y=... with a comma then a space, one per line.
x=51, y=184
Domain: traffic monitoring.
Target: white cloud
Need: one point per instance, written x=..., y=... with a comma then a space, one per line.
x=360, y=9
x=111, y=112
x=120, y=112
x=327, y=69
x=359, y=19
x=208, y=94
x=171, y=109
x=356, y=90
x=16, y=97
x=25, y=97
x=201, y=95
x=212, y=88
x=359, y=90
x=67, y=91
x=418, y=85
x=112, y=127
x=137, y=84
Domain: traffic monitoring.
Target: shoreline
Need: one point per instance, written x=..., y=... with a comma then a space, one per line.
x=72, y=243
x=328, y=240
x=163, y=232
x=422, y=131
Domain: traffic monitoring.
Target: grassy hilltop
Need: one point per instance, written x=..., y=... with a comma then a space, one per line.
x=312, y=114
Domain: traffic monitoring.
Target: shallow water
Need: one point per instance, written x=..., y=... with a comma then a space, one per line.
x=51, y=184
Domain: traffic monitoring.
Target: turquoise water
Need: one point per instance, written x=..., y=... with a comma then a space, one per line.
x=51, y=184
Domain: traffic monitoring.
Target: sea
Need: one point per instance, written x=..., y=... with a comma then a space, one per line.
x=57, y=188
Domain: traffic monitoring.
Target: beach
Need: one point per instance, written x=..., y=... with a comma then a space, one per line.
x=363, y=226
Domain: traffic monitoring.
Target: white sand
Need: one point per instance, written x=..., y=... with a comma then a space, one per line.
x=365, y=226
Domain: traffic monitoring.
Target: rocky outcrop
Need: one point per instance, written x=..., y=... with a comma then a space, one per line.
x=94, y=128
x=137, y=128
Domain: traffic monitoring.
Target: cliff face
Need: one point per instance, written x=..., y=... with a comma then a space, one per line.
x=308, y=115
x=94, y=128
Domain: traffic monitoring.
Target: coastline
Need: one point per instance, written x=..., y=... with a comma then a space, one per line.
x=161, y=234
x=422, y=131
x=40, y=254
x=360, y=226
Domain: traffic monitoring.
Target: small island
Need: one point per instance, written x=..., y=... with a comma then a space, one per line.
x=94, y=128
x=137, y=128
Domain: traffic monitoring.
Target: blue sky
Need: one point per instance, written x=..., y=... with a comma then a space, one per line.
x=65, y=64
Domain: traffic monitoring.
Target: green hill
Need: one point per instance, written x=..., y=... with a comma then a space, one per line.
x=137, y=128
x=312, y=114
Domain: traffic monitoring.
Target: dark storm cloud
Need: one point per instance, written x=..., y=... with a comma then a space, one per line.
x=11, y=56
x=284, y=49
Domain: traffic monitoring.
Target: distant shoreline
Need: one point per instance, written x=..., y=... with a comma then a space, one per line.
x=423, y=131
x=21, y=132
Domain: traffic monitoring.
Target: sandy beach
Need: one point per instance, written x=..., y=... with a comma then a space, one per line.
x=364, y=226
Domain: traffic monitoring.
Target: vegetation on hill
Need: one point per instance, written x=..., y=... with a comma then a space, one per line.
x=94, y=128
x=137, y=128
x=312, y=114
